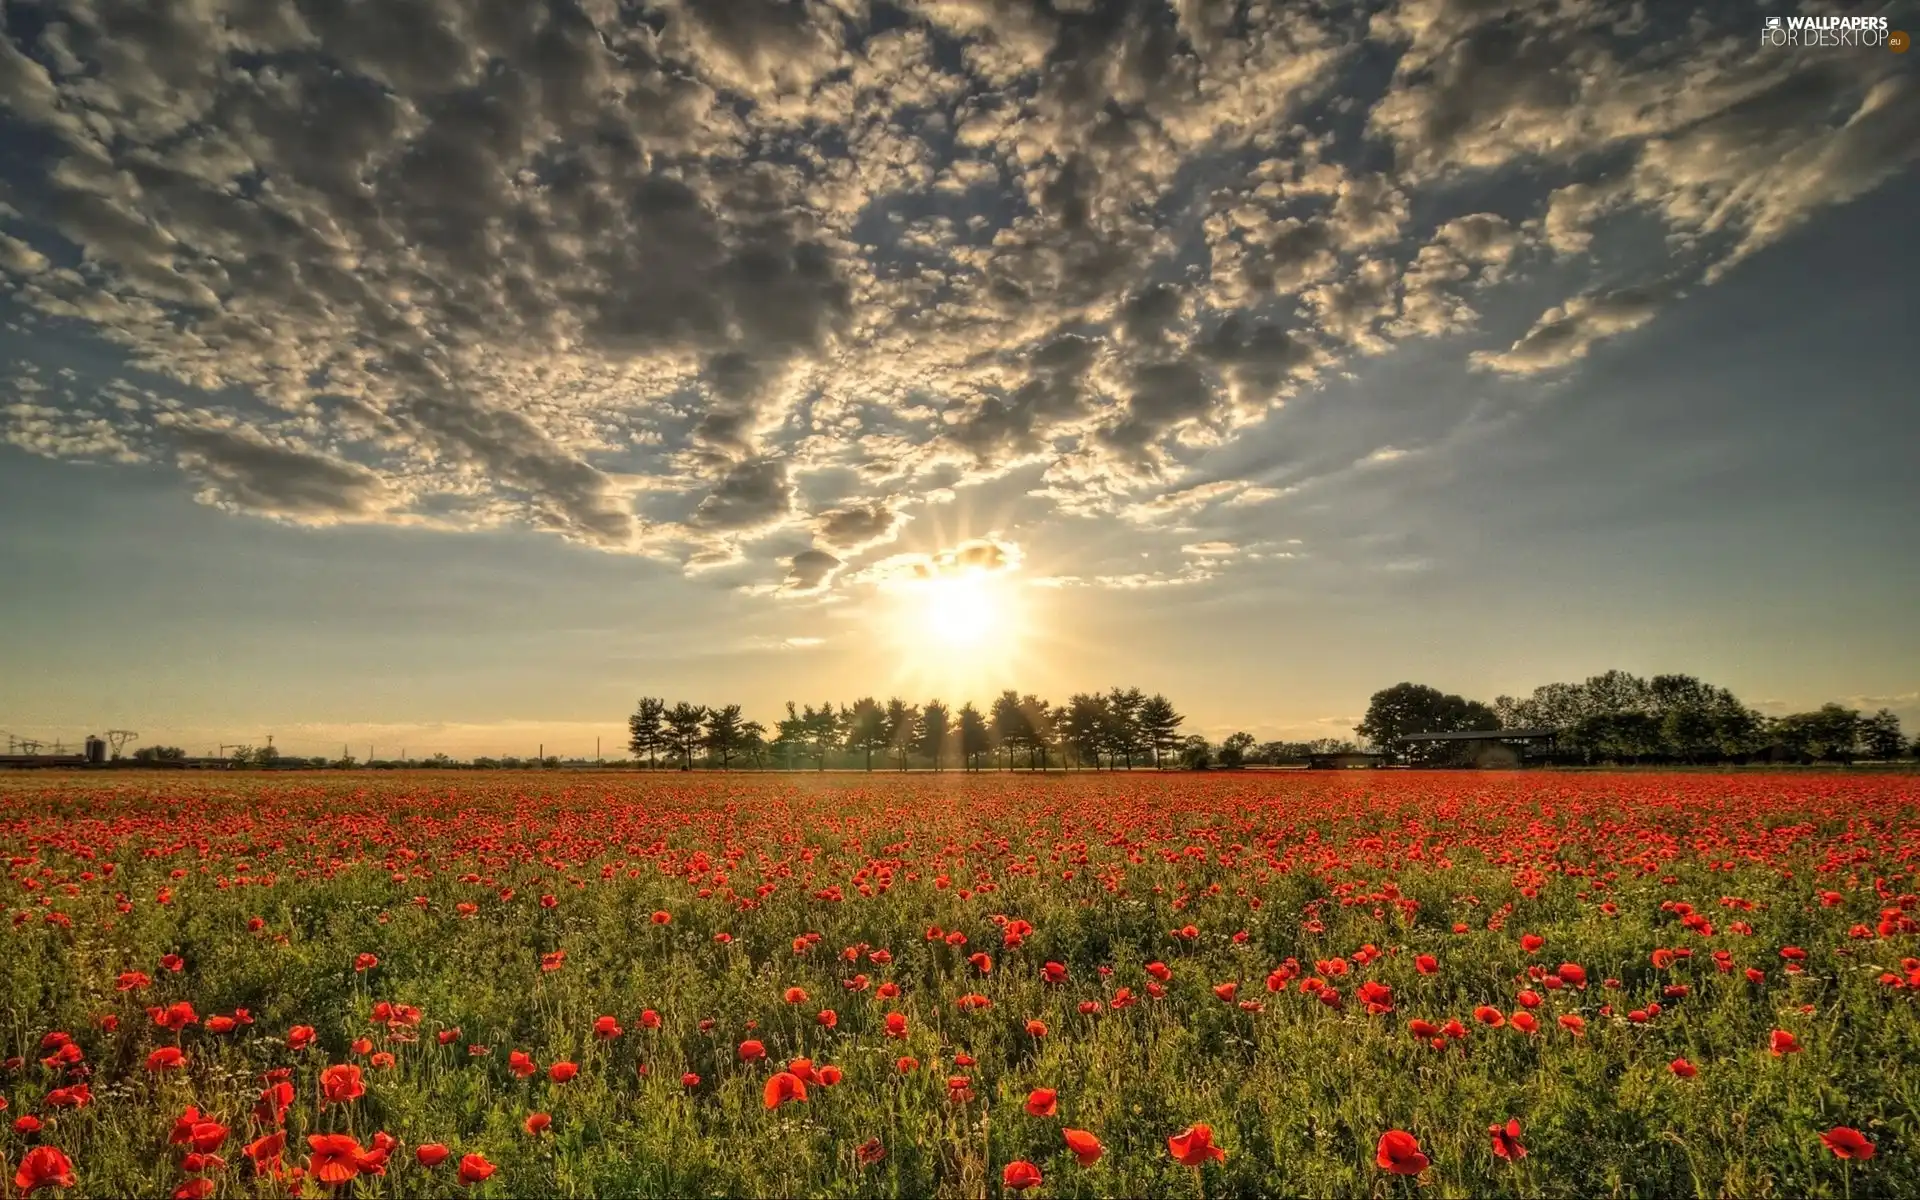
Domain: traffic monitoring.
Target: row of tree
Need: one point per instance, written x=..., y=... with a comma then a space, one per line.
x=1121, y=727
x=1621, y=717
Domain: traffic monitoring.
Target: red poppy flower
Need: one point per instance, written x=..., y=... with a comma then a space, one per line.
x=1020, y=1175
x=1194, y=1146
x=1085, y=1146
x=783, y=1087
x=1524, y=1021
x=43, y=1166
x=300, y=1037
x=752, y=1051
x=607, y=1028
x=827, y=1019
x=335, y=1158
x=1784, y=1043
x=1531, y=942
x=1506, y=1140
x=1847, y=1142
x=537, y=1123
x=166, y=1058
x=431, y=1154
x=1426, y=964
x=475, y=1168
x=265, y=1151
x=905, y=1064
x=1400, y=1153
x=341, y=1083
x=690, y=1080
x=870, y=1151
x=1574, y=1024
x=365, y=962
x=829, y=1076
x=794, y=995
x=1042, y=1102
x=1683, y=1068
x=521, y=1063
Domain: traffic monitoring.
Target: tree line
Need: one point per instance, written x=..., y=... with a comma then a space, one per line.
x=1120, y=728
x=1624, y=718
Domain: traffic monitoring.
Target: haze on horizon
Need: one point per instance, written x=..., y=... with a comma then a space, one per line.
x=449, y=374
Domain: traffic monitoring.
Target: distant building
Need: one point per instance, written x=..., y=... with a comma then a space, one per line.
x=1488, y=748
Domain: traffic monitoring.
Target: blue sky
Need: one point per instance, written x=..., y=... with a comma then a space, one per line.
x=449, y=375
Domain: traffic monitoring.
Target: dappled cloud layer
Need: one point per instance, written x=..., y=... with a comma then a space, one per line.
x=671, y=278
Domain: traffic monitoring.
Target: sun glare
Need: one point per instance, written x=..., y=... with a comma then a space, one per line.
x=958, y=633
x=961, y=611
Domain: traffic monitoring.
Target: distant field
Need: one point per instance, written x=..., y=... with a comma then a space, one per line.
x=730, y=984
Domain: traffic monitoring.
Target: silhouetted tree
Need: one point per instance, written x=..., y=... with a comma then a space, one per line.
x=1233, y=751
x=684, y=729
x=1036, y=716
x=823, y=728
x=902, y=721
x=1195, y=754
x=936, y=724
x=1829, y=733
x=975, y=737
x=1160, y=725
x=646, y=733
x=1880, y=736
x=866, y=727
x=1124, y=738
x=1009, y=723
x=726, y=733
x=1083, y=727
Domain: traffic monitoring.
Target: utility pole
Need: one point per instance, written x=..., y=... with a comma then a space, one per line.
x=596, y=749
x=119, y=738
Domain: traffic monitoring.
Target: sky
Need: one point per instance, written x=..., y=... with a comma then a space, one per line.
x=444, y=376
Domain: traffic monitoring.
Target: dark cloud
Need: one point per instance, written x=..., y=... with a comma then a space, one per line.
x=855, y=526
x=811, y=571
x=1564, y=334
x=753, y=495
x=244, y=470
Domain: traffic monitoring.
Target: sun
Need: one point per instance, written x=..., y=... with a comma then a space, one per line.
x=958, y=633
x=960, y=611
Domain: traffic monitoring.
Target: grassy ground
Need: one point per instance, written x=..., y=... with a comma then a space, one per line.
x=271, y=889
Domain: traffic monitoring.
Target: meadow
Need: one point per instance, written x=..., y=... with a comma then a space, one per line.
x=1114, y=983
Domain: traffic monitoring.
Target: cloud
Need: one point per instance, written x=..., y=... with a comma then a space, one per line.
x=980, y=555
x=1210, y=549
x=857, y=526
x=752, y=497
x=811, y=571
x=645, y=276
x=1563, y=335
x=243, y=470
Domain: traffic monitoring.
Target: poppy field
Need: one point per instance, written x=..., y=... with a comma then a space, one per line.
x=1110, y=983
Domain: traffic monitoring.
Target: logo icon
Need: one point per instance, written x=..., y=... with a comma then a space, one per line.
x=1773, y=23
x=1898, y=41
